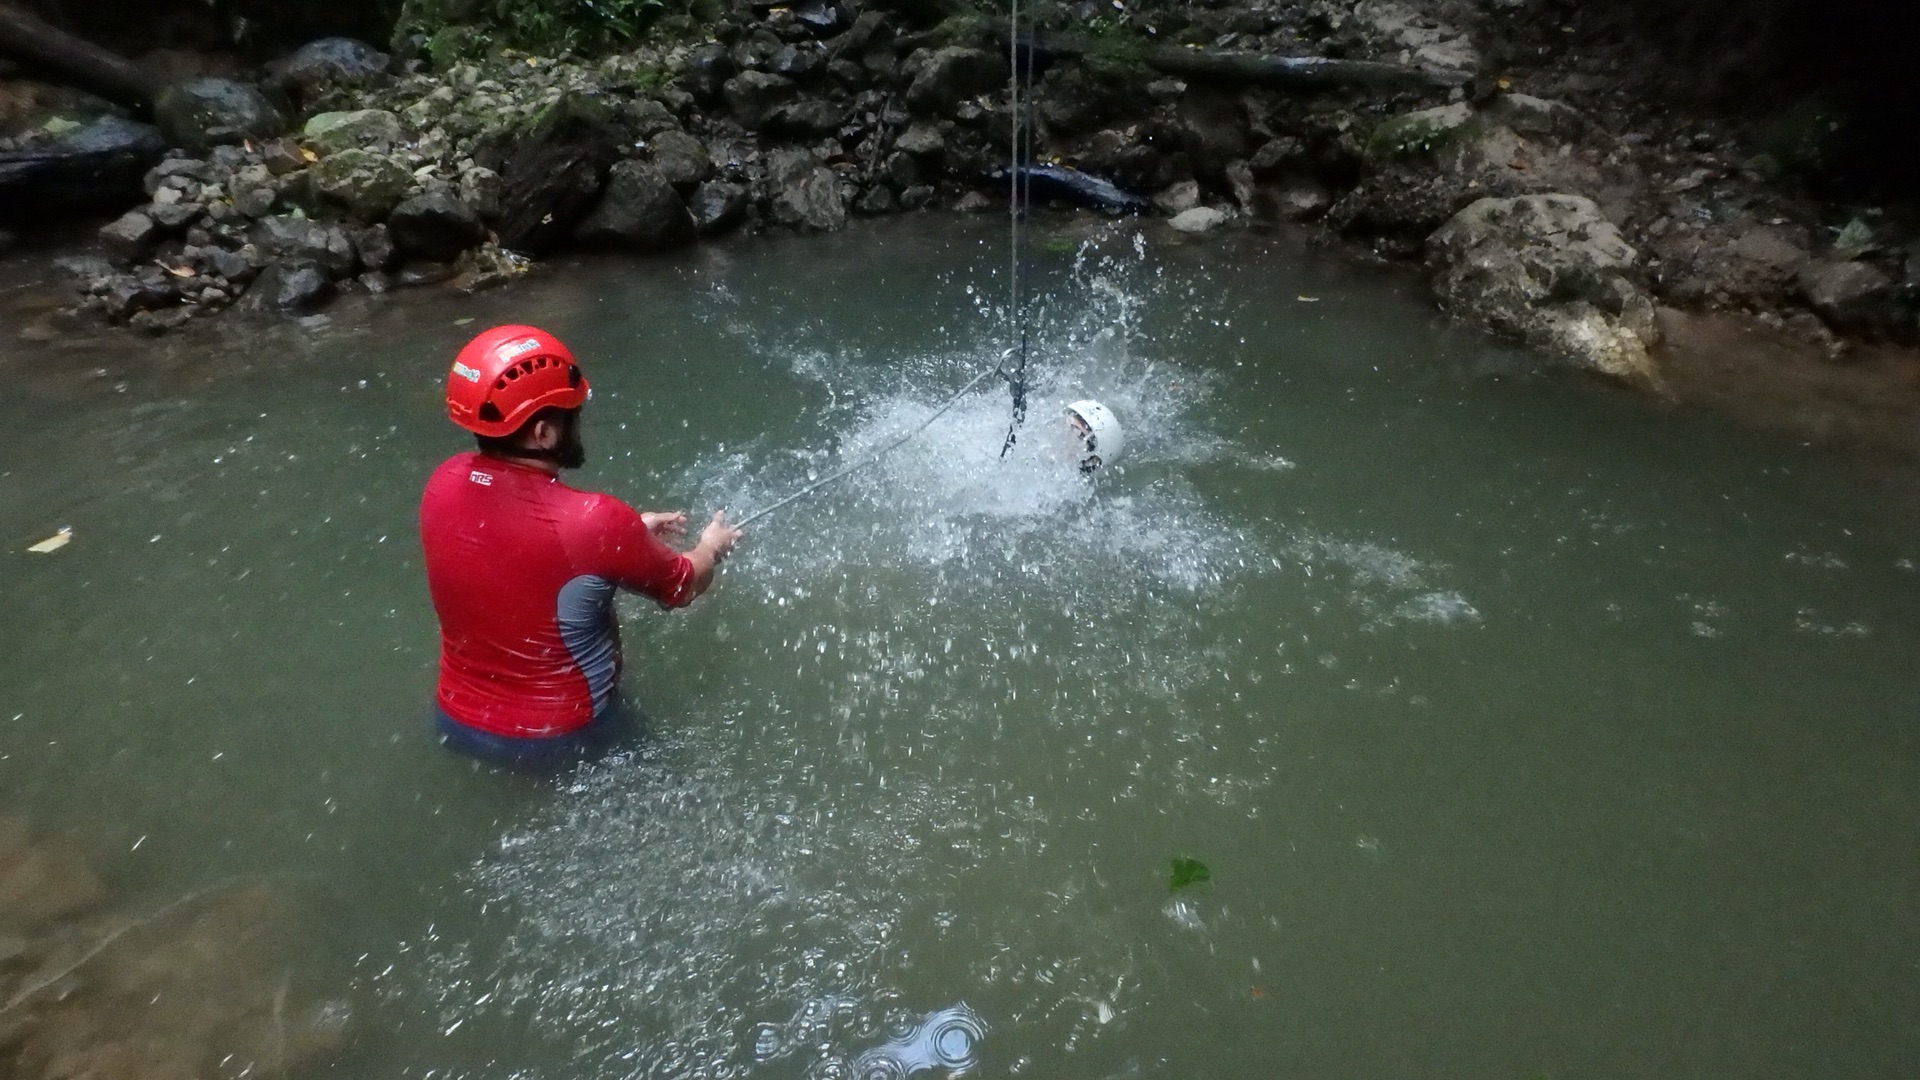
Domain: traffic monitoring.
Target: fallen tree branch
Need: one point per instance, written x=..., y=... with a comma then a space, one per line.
x=1259, y=69
x=88, y=65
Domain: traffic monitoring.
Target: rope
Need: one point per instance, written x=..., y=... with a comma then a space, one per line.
x=1019, y=198
x=876, y=455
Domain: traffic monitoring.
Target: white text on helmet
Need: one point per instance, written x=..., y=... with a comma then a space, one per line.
x=518, y=348
x=465, y=372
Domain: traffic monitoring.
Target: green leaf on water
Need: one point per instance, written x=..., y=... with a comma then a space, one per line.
x=1187, y=872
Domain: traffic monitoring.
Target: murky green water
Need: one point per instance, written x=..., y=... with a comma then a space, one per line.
x=1525, y=730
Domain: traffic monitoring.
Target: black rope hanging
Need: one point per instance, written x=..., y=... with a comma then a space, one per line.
x=1019, y=199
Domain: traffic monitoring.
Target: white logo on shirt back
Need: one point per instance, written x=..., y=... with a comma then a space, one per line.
x=483, y=479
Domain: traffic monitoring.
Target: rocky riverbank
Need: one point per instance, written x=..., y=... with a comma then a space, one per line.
x=1524, y=178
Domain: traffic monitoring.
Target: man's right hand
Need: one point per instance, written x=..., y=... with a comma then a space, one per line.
x=719, y=537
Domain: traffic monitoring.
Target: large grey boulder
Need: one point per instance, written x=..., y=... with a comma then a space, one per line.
x=328, y=63
x=208, y=112
x=295, y=288
x=640, y=211
x=435, y=225
x=1552, y=270
x=804, y=194
x=365, y=184
x=943, y=78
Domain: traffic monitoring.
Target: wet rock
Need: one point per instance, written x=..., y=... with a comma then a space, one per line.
x=1552, y=270
x=194, y=169
x=295, y=288
x=717, y=206
x=876, y=200
x=1276, y=155
x=922, y=139
x=809, y=117
x=681, y=158
x=254, y=190
x=648, y=118
x=1200, y=219
x=1177, y=198
x=640, y=211
x=1850, y=295
x=364, y=184
x=175, y=217
x=552, y=173
x=328, y=64
x=794, y=62
x=130, y=237
x=754, y=96
x=238, y=267
x=488, y=267
x=480, y=189
x=1304, y=200
x=1072, y=102
x=282, y=156
x=706, y=72
x=435, y=225
x=303, y=242
x=805, y=194
x=368, y=129
x=945, y=77
x=1212, y=130
x=161, y=320
x=204, y=113
x=375, y=247
x=148, y=290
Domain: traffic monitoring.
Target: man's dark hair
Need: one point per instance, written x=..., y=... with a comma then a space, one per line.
x=511, y=445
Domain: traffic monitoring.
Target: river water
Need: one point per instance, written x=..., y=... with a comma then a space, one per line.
x=1525, y=730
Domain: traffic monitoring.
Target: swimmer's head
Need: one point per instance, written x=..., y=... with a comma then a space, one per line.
x=1098, y=439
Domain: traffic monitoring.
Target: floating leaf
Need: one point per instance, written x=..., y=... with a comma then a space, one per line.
x=1187, y=872
x=53, y=543
x=1854, y=241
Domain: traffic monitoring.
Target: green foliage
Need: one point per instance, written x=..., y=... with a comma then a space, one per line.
x=469, y=29
x=1187, y=872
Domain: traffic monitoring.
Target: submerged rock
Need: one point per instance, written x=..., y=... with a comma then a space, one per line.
x=1552, y=270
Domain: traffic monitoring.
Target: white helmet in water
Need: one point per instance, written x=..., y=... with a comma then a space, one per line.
x=1098, y=431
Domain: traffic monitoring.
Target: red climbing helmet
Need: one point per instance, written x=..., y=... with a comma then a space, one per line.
x=506, y=375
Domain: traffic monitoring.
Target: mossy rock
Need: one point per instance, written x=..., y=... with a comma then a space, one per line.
x=1416, y=133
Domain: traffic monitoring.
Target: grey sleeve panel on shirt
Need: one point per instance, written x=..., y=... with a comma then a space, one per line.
x=584, y=613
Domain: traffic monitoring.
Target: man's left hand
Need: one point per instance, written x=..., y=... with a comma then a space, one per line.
x=665, y=522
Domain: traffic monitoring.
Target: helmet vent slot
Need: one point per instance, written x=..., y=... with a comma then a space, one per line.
x=490, y=412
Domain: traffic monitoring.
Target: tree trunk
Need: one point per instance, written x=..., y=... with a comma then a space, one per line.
x=80, y=62
x=1255, y=69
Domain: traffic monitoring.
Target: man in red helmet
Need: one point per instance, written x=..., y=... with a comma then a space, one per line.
x=523, y=568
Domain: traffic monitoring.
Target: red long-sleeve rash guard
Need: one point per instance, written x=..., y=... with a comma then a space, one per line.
x=523, y=570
